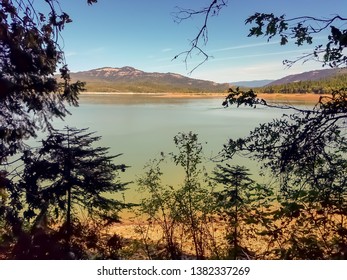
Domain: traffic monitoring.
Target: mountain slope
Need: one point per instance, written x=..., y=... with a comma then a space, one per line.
x=251, y=84
x=309, y=76
x=319, y=82
x=129, y=79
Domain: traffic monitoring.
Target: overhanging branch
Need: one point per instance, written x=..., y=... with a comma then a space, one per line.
x=201, y=38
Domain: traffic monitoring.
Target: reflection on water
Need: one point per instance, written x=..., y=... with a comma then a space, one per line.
x=142, y=126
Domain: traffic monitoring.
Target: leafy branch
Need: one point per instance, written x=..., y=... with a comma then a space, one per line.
x=302, y=29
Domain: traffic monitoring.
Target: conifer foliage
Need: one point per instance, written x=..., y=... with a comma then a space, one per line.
x=30, y=55
x=68, y=178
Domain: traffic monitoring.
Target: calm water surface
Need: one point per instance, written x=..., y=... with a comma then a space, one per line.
x=140, y=127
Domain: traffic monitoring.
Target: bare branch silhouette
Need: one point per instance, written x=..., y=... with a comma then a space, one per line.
x=201, y=38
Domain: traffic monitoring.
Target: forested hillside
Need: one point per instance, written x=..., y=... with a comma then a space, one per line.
x=321, y=86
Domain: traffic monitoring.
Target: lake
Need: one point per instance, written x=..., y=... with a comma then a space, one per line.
x=141, y=126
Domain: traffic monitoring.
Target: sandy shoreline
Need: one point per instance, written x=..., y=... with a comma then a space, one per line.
x=159, y=94
x=309, y=97
x=290, y=96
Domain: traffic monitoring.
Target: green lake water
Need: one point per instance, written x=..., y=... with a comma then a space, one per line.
x=141, y=126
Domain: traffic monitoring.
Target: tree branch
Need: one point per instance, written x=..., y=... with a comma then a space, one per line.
x=201, y=38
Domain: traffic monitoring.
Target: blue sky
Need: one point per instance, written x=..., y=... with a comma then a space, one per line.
x=143, y=34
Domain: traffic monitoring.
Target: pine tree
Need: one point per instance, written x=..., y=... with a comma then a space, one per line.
x=67, y=176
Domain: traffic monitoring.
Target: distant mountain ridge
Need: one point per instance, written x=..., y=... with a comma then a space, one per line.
x=315, y=75
x=129, y=79
x=251, y=84
x=309, y=76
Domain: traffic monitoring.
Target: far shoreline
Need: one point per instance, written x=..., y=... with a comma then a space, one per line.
x=283, y=97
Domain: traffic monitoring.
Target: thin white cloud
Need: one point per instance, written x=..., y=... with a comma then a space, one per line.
x=167, y=59
x=166, y=50
x=246, y=46
x=299, y=52
x=255, y=45
x=94, y=51
x=69, y=54
x=86, y=52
